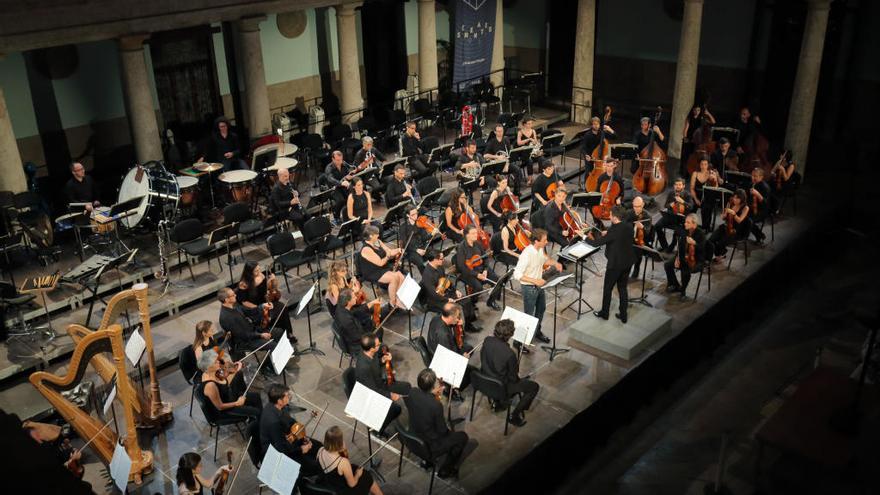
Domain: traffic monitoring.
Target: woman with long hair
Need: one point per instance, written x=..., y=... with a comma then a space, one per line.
x=189, y=475
x=376, y=263
x=736, y=212
x=251, y=291
x=339, y=472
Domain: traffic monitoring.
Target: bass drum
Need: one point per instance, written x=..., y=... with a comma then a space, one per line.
x=158, y=190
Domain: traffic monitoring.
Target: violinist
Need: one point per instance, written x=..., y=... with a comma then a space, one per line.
x=227, y=400
x=499, y=361
x=204, y=338
x=784, y=173
x=638, y=214
x=502, y=243
x=359, y=205
x=735, y=215
x=245, y=335
x=377, y=261
x=411, y=143
x=435, y=295
x=348, y=317
x=527, y=136
x=457, y=206
x=337, y=174
x=415, y=238
x=679, y=203
x=759, y=196
x=397, y=190
x=339, y=472
x=618, y=240
x=693, y=240
x=189, y=475
x=542, y=182
x=704, y=176
x=441, y=331
x=553, y=213
x=642, y=138
x=724, y=158
x=529, y=272
x=493, y=205
x=368, y=371
x=339, y=280
x=252, y=292
x=275, y=423
x=285, y=200
x=498, y=148
x=470, y=252
x=591, y=139
x=370, y=156
x=426, y=419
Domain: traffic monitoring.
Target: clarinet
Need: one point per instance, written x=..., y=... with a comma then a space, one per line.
x=162, y=274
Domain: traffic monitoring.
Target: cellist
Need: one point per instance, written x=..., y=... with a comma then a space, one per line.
x=692, y=238
x=435, y=295
x=643, y=138
x=493, y=205
x=470, y=260
x=553, y=214
x=609, y=175
x=457, y=206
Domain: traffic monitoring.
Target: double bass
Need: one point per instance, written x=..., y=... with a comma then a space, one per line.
x=610, y=192
x=650, y=178
x=600, y=153
x=702, y=141
x=755, y=151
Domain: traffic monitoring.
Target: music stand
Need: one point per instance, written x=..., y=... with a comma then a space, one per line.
x=321, y=199
x=216, y=236
x=716, y=196
x=393, y=215
x=388, y=167
x=499, y=287
x=110, y=265
x=554, y=284
x=586, y=200
x=493, y=168
x=428, y=199
x=520, y=155
x=646, y=252
x=304, y=304
x=346, y=230
x=579, y=253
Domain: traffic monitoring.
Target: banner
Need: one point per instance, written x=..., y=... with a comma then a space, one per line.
x=474, y=38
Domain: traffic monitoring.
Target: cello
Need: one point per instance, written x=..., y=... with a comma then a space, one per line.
x=521, y=238
x=610, y=192
x=702, y=140
x=650, y=178
x=468, y=217
x=755, y=151
x=509, y=202
x=599, y=154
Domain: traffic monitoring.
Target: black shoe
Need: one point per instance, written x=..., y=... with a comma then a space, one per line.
x=381, y=435
x=517, y=419
x=620, y=317
x=543, y=338
x=599, y=314
x=683, y=297
x=673, y=288
x=293, y=340
x=517, y=345
x=473, y=328
x=444, y=474
x=425, y=464
x=494, y=305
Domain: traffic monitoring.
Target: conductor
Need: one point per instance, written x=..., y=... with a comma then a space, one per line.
x=618, y=240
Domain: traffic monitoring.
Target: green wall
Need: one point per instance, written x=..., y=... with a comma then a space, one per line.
x=13, y=80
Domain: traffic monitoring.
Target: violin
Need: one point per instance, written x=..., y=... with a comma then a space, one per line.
x=272, y=295
x=443, y=285
x=226, y=369
x=599, y=154
x=678, y=208
x=377, y=315
x=610, y=192
x=780, y=170
x=298, y=430
x=475, y=261
x=424, y=223
x=360, y=296
x=389, y=368
x=459, y=334
x=468, y=217
x=691, y=256
x=640, y=234
x=220, y=484
x=731, y=226
x=650, y=178
x=754, y=203
x=73, y=465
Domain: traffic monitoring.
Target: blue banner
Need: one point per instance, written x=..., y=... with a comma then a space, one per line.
x=474, y=38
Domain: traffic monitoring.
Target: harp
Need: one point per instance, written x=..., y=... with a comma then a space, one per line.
x=87, y=427
x=150, y=411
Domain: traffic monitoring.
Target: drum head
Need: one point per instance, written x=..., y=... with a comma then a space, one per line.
x=283, y=162
x=184, y=182
x=133, y=188
x=236, y=176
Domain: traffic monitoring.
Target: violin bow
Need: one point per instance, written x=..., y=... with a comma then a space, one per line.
x=315, y=429
x=474, y=294
x=240, y=461
x=255, y=350
x=379, y=449
x=257, y=372
x=95, y=435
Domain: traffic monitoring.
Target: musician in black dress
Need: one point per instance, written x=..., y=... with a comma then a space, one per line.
x=80, y=188
x=337, y=175
x=470, y=252
x=223, y=399
x=498, y=148
x=618, y=240
x=239, y=321
x=503, y=242
x=427, y=420
x=224, y=147
x=692, y=123
x=541, y=183
x=678, y=203
x=494, y=210
x=275, y=424
x=458, y=205
x=704, y=176
x=691, y=238
x=736, y=212
x=590, y=141
x=499, y=361
x=417, y=155
x=359, y=205
x=370, y=156
x=527, y=136
x=376, y=263
x=189, y=475
x=251, y=293
x=415, y=238
x=759, y=195
x=640, y=215
x=285, y=200
x=436, y=297
x=368, y=371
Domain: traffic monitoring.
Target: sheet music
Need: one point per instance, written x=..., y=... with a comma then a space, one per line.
x=525, y=324
x=449, y=366
x=281, y=354
x=368, y=407
x=120, y=467
x=135, y=347
x=305, y=299
x=278, y=471
x=108, y=402
x=556, y=281
x=408, y=291
x=580, y=249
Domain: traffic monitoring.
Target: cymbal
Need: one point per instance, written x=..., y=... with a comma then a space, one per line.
x=208, y=167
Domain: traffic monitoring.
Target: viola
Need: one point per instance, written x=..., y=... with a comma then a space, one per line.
x=360, y=296
x=610, y=192
x=691, y=256
x=459, y=335
x=599, y=154
x=389, y=368
x=220, y=484
x=679, y=208
x=640, y=234
x=443, y=285
x=298, y=430
x=225, y=368
x=731, y=227
x=424, y=223
x=468, y=217
x=650, y=178
x=475, y=261
x=272, y=295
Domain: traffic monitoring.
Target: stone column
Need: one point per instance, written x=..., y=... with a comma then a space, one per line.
x=806, y=82
x=584, y=51
x=685, y=73
x=259, y=120
x=139, y=99
x=498, y=46
x=11, y=172
x=351, y=97
x=427, y=45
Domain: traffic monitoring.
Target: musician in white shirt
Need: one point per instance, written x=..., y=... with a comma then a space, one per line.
x=529, y=272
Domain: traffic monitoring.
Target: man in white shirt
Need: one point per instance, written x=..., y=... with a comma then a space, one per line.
x=529, y=272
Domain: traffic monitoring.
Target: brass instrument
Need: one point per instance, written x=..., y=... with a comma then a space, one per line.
x=103, y=440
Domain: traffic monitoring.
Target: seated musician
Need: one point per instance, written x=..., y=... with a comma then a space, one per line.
x=339, y=473
x=245, y=336
x=204, y=338
x=398, y=190
x=590, y=141
x=469, y=165
x=529, y=272
x=760, y=196
x=275, y=423
x=359, y=205
x=337, y=175
x=223, y=147
x=553, y=213
x=417, y=155
x=679, y=202
x=610, y=174
x=285, y=200
x=350, y=321
x=635, y=214
x=427, y=420
x=702, y=177
x=338, y=280
x=223, y=393
x=504, y=248
x=189, y=475
x=493, y=205
x=54, y=446
x=470, y=252
x=784, y=173
x=81, y=188
x=690, y=236
x=527, y=136
x=736, y=212
x=376, y=263
x=542, y=182
x=435, y=297
x=724, y=158
x=368, y=371
x=415, y=239
x=499, y=361
x=370, y=156
x=251, y=292
x=642, y=138
x=441, y=330
x=458, y=206
x=498, y=148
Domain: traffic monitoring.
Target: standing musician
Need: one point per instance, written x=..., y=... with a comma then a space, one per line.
x=542, y=182
x=338, y=174
x=693, y=240
x=426, y=419
x=642, y=138
x=747, y=125
x=398, y=190
x=457, y=206
x=724, y=157
x=469, y=165
x=590, y=141
x=359, y=205
x=733, y=221
x=338, y=280
x=499, y=361
x=493, y=205
x=638, y=216
x=691, y=124
x=245, y=335
x=285, y=200
x=553, y=213
x=377, y=261
x=411, y=142
x=223, y=147
x=189, y=475
x=349, y=318
x=275, y=423
x=251, y=293
x=702, y=177
x=437, y=295
x=52, y=442
x=339, y=473
x=529, y=272
x=759, y=195
x=498, y=148
x=503, y=244
x=618, y=239
x=80, y=188
x=468, y=251
x=679, y=203
x=220, y=390
x=526, y=136
x=415, y=238
x=368, y=371
x=370, y=156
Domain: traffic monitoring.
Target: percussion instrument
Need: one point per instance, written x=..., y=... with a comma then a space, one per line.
x=189, y=190
x=239, y=184
x=208, y=167
x=98, y=220
x=283, y=149
x=86, y=269
x=280, y=162
x=157, y=189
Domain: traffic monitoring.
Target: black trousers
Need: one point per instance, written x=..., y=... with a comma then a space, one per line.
x=685, y=273
x=452, y=445
x=757, y=222
x=670, y=223
x=298, y=216
x=528, y=390
x=420, y=166
x=649, y=240
x=558, y=238
x=720, y=239
x=339, y=198
x=401, y=388
x=416, y=259
x=618, y=277
x=476, y=284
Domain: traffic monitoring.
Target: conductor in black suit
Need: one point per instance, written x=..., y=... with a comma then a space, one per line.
x=618, y=241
